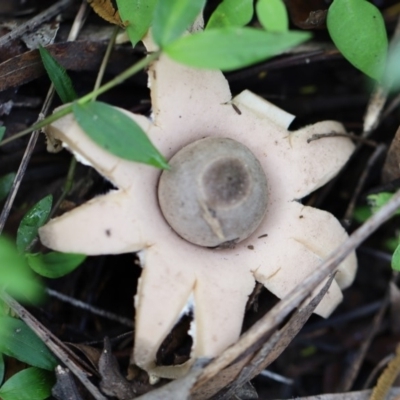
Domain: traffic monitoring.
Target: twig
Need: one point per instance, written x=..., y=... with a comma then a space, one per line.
x=386, y=380
x=35, y=134
x=277, y=377
x=94, y=310
x=67, y=186
x=374, y=109
x=378, y=368
x=20, y=174
x=104, y=62
x=350, y=135
x=351, y=373
x=36, y=21
x=373, y=114
x=274, y=317
x=360, y=184
x=51, y=342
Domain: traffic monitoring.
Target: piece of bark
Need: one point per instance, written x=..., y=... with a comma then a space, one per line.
x=75, y=56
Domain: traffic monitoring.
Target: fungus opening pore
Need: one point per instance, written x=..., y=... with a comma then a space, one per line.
x=226, y=182
x=215, y=192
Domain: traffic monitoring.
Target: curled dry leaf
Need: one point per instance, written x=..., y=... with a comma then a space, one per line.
x=106, y=10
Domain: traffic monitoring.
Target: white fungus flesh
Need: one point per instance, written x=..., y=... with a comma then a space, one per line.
x=289, y=242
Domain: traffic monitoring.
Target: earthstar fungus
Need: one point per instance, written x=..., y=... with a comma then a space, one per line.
x=286, y=243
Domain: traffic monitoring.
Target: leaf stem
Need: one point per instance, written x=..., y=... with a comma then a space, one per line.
x=143, y=63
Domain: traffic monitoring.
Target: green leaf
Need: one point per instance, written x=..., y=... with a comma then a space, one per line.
x=377, y=201
x=396, y=259
x=390, y=244
x=19, y=341
x=272, y=15
x=231, y=48
x=32, y=221
x=2, y=132
x=58, y=76
x=361, y=214
x=54, y=265
x=6, y=182
x=15, y=275
x=231, y=13
x=28, y=384
x=173, y=17
x=358, y=30
x=117, y=133
x=1, y=368
x=137, y=15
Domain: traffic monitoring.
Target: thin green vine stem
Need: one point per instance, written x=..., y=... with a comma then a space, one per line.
x=135, y=68
x=121, y=77
x=106, y=57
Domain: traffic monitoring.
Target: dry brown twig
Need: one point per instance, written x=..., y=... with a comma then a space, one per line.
x=387, y=378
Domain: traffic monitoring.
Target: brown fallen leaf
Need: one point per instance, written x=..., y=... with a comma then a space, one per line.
x=113, y=383
x=105, y=9
x=65, y=387
x=91, y=353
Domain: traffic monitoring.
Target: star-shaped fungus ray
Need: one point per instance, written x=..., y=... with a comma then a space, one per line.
x=290, y=241
x=213, y=284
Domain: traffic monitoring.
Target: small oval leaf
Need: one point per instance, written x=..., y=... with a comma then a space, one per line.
x=58, y=76
x=54, y=265
x=1, y=368
x=136, y=16
x=358, y=30
x=28, y=384
x=173, y=17
x=15, y=275
x=19, y=341
x=272, y=15
x=396, y=259
x=231, y=48
x=2, y=132
x=114, y=131
x=231, y=13
x=6, y=182
x=32, y=221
